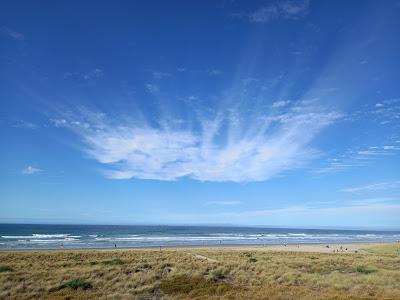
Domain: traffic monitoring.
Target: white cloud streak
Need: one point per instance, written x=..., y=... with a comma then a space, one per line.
x=228, y=147
x=12, y=33
x=90, y=75
x=381, y=186
x=152, y=88
x=358, y=158
x=29, y=170
x=281, y=10
x=360, y=213
x=223, y=203
x=24, y=124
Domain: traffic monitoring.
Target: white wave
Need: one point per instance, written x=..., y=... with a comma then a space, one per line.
x=54, y=240
x=297, y=234
x=16, y=236
x=46, y=236
x=40, y=236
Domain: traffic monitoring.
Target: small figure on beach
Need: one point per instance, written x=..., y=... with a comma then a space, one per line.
x=115, y=246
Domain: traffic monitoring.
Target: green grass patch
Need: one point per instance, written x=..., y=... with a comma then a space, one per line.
x=111, y=262
x=247, y=254
x=6, y=269
x=217, y=275
x=364, y=270
x=74, y=284
x=252, y=259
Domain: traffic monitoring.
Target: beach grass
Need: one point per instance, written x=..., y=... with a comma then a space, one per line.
x=200, y=274
x=390, y=249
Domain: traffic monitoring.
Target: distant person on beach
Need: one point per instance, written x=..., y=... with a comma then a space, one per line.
x=115, y=245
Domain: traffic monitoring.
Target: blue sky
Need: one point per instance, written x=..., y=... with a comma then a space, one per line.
x=208, y=112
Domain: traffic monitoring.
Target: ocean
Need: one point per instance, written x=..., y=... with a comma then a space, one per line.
x=23, y=236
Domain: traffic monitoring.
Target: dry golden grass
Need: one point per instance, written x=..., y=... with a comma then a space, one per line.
x=199, y=274
x=391, y=249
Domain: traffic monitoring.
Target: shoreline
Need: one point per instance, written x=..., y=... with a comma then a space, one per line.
x=348, y=247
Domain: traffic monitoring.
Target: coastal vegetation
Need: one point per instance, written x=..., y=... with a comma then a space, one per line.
x=372, y=273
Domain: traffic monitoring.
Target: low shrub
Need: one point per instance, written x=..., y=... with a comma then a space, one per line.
x=252, y=259
x=6, y=269
x=74, y=284
x=364, y=270
x=217, y=275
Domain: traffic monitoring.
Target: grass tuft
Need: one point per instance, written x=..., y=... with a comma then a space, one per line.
x=74, y=284
x=6, y=269
x=364, y=270
x=115, y=261
x=217, y=275
x=252, y=259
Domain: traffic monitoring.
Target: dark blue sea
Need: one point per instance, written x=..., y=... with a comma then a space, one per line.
x=23, y=236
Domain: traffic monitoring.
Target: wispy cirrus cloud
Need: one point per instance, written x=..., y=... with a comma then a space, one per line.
x=279, y=10
x=161, y=75
x=89, y=75
x=30, y=170
x=280, y=103
x=380, y=186
x=364, y=210
x=385, y=112
x=222, y=203
x=12, y=33
x=231, y=145
x=25, y=124
x=358, y=158
x=152, y=88
x=210, y=72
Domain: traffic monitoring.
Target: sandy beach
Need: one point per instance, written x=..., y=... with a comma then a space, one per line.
x=317, y=247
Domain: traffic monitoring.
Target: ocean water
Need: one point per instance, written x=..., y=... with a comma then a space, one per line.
x=22, y=236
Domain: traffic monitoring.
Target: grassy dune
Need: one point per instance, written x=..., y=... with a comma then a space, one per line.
x=200, y=274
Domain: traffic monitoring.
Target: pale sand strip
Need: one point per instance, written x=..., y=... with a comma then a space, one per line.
x=320, y=248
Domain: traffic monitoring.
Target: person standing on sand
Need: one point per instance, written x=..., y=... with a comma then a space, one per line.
x=115, y=246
